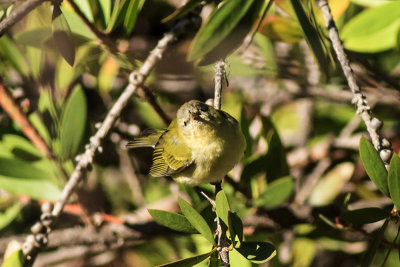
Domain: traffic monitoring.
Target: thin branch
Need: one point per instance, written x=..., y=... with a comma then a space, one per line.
x=14, y=111
x=373, y=124
x=33, y=245
x=219, y=77
x=219, y=82
x=18, y=14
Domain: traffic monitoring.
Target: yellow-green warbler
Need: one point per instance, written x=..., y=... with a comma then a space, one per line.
x=200, y=146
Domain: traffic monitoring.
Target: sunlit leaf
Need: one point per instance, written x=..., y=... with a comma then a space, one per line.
x=222, y=206
x=196, y=220
x=331, y=184
x=106, y=10
x=276, y=192
x=108, y=73
x=173, y=220
x=16, y=259
x=9, y=51
x=283, y=29
x=73, y=123
x=188, y=261
x=257, y=252
x=34, y=188
x=394, y=180
x=374, y=29
x=366, y=215
x=21, y=147
x=373, y=165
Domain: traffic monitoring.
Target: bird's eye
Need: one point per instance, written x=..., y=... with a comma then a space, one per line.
x=185, y=123
x=204, y=108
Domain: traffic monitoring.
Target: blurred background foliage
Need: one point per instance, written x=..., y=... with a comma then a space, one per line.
x=64, y=64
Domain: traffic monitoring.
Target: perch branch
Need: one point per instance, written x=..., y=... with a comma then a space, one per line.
x=219, y=77
x=136, y=79
x=373, y=124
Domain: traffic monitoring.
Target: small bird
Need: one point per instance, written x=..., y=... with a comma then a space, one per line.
x=200, y=146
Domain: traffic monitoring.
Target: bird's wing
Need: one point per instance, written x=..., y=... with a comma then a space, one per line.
x=148, y=138
x=171, y=155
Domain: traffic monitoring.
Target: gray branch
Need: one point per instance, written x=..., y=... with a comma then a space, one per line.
x=382, y=145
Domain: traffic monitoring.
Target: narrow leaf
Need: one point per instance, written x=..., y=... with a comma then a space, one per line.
x=394, y=180
x=311, y=34
x=366, y=215
x=373, y=165
x=276, y=192
x=196, y=220
x=131, y=15
x=173, y=220
x=182, y=11
x=188, y=261
x=257, y=252
x=73, y=123
x=222, y=206
x=220, y=23
x=370, y=253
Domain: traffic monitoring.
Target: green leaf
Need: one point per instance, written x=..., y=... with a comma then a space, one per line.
x=8, y=50
x=73, y=123
x=34, y=188
x=117, y=15
x=374, y=29
x=9, y=214
x=214, y=260
x=370, y=253
x=276, y=192
x=188, y=261
x=257, y=252
x=275, y=161
x=196, y=220
x=394, y=180
x=173, y=220
x=62, y=36
x=77, y=26
x=16, y=259
x=331, y=184
x=311, y=34
x=182, y=11
x=235, y=226
x=374, y=166
x=106, y=10
x=235, y=37
x=131, y=15
x=365, y=216
x=21, y=147
x=220, y=24
x=222, y=206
